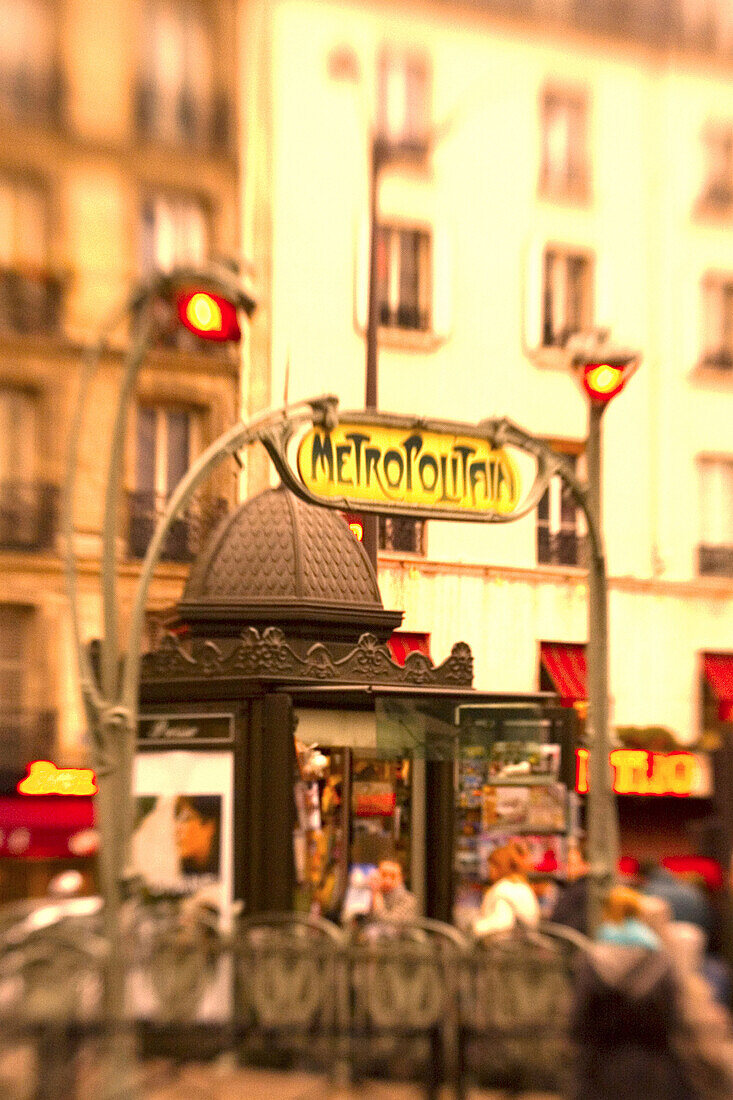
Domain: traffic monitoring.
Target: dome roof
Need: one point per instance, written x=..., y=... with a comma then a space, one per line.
x=278, y=560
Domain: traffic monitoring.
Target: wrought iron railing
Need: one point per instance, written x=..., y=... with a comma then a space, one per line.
x=564, y=547
x=26, y=735
x=402, y=533
x=187, y=533
x=33, y=95
x=405, y=317
x=207, y=125
x=30, y=301
x=715, y=561
x=28, y=515
x=413, y=1001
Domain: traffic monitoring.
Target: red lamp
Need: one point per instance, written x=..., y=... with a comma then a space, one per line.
x=208, y=315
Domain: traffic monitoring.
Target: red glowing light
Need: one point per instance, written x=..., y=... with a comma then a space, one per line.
x=208, y=315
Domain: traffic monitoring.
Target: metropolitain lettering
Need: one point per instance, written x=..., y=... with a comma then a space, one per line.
x=404, y=466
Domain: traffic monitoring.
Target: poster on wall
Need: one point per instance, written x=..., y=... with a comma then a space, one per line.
x=182, y=837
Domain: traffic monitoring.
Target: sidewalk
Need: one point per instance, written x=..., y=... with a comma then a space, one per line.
x=220, y=1083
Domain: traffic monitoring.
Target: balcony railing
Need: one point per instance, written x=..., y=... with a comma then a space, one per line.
x=26, y=735
x=33, y=95
x=406, y=317
x=564, y=547
x=207, y=124
x=402, y=533
x=187, y=533
x=722, y=359
x=715, y=561
x=30, y=302
x=28, y=515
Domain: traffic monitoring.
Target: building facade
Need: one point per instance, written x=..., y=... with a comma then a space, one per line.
x=552, y=169
x=117, y=131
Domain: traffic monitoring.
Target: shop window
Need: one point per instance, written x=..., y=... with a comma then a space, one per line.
x=560, y=526
x=176, y=102
x=163, y=450
x=402, y=534
x=403, y=111
x=564, y=164
x=717, y=351
x=380, y=807
x=567, y=295
x=717, y=191
x=30, y=295
x=30, y=79
x=404, y=278
x=715, y=552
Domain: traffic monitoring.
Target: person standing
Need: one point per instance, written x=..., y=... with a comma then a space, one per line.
x=626, y=1013
x=687, y=902
x=571, y=906
x=510, y=900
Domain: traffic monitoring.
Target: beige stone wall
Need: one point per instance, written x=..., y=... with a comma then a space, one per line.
x=98, y=172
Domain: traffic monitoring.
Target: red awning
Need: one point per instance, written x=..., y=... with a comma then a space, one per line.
x=47, y=828
x=565, y=665
x=719, y=674
x=402, y=643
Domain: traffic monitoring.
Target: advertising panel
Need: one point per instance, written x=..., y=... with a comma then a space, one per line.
x=182, y=840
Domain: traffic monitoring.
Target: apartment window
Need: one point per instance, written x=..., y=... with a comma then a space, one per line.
x=30, y=82
x=176, y=101
x=403, y=111
x=163, y=447
x=175, y=231
x=560, y=524
x=564, y=166
x=404, y=287
x=567, y=295
x=15, y=621
x=718, y=323
x=715, y=553
x=27, y=506
x=402, y=534
x=717, y=193
x=30, y=295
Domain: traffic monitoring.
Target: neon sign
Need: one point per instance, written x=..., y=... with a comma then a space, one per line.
x=45, y=778
x=637, y=771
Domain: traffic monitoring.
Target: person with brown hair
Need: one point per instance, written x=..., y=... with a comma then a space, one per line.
x=626, y=1013
x=623, y=922
x=509, y=900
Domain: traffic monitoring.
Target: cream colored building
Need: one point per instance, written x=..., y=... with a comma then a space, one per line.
x=559, y=174
x=117, y=156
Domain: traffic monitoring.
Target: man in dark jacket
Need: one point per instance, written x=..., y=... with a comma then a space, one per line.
x=571, y=907
x=624, y=1019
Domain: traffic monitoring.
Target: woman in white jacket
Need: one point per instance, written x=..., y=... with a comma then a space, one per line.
x=510, y=899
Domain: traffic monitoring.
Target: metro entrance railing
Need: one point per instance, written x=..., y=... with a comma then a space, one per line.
x=416, y=1002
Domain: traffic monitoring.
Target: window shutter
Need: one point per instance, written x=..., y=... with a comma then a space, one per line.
x=361, y=275
x=442, y=318
x=532, y=311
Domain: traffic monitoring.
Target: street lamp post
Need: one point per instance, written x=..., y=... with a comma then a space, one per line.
x=378, y=158
x=604, y=371
x=109, y=694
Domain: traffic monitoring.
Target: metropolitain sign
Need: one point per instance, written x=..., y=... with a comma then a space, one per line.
x=397, y=465
x=637, y=771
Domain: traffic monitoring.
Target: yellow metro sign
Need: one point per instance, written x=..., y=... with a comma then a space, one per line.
x=407, y=466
